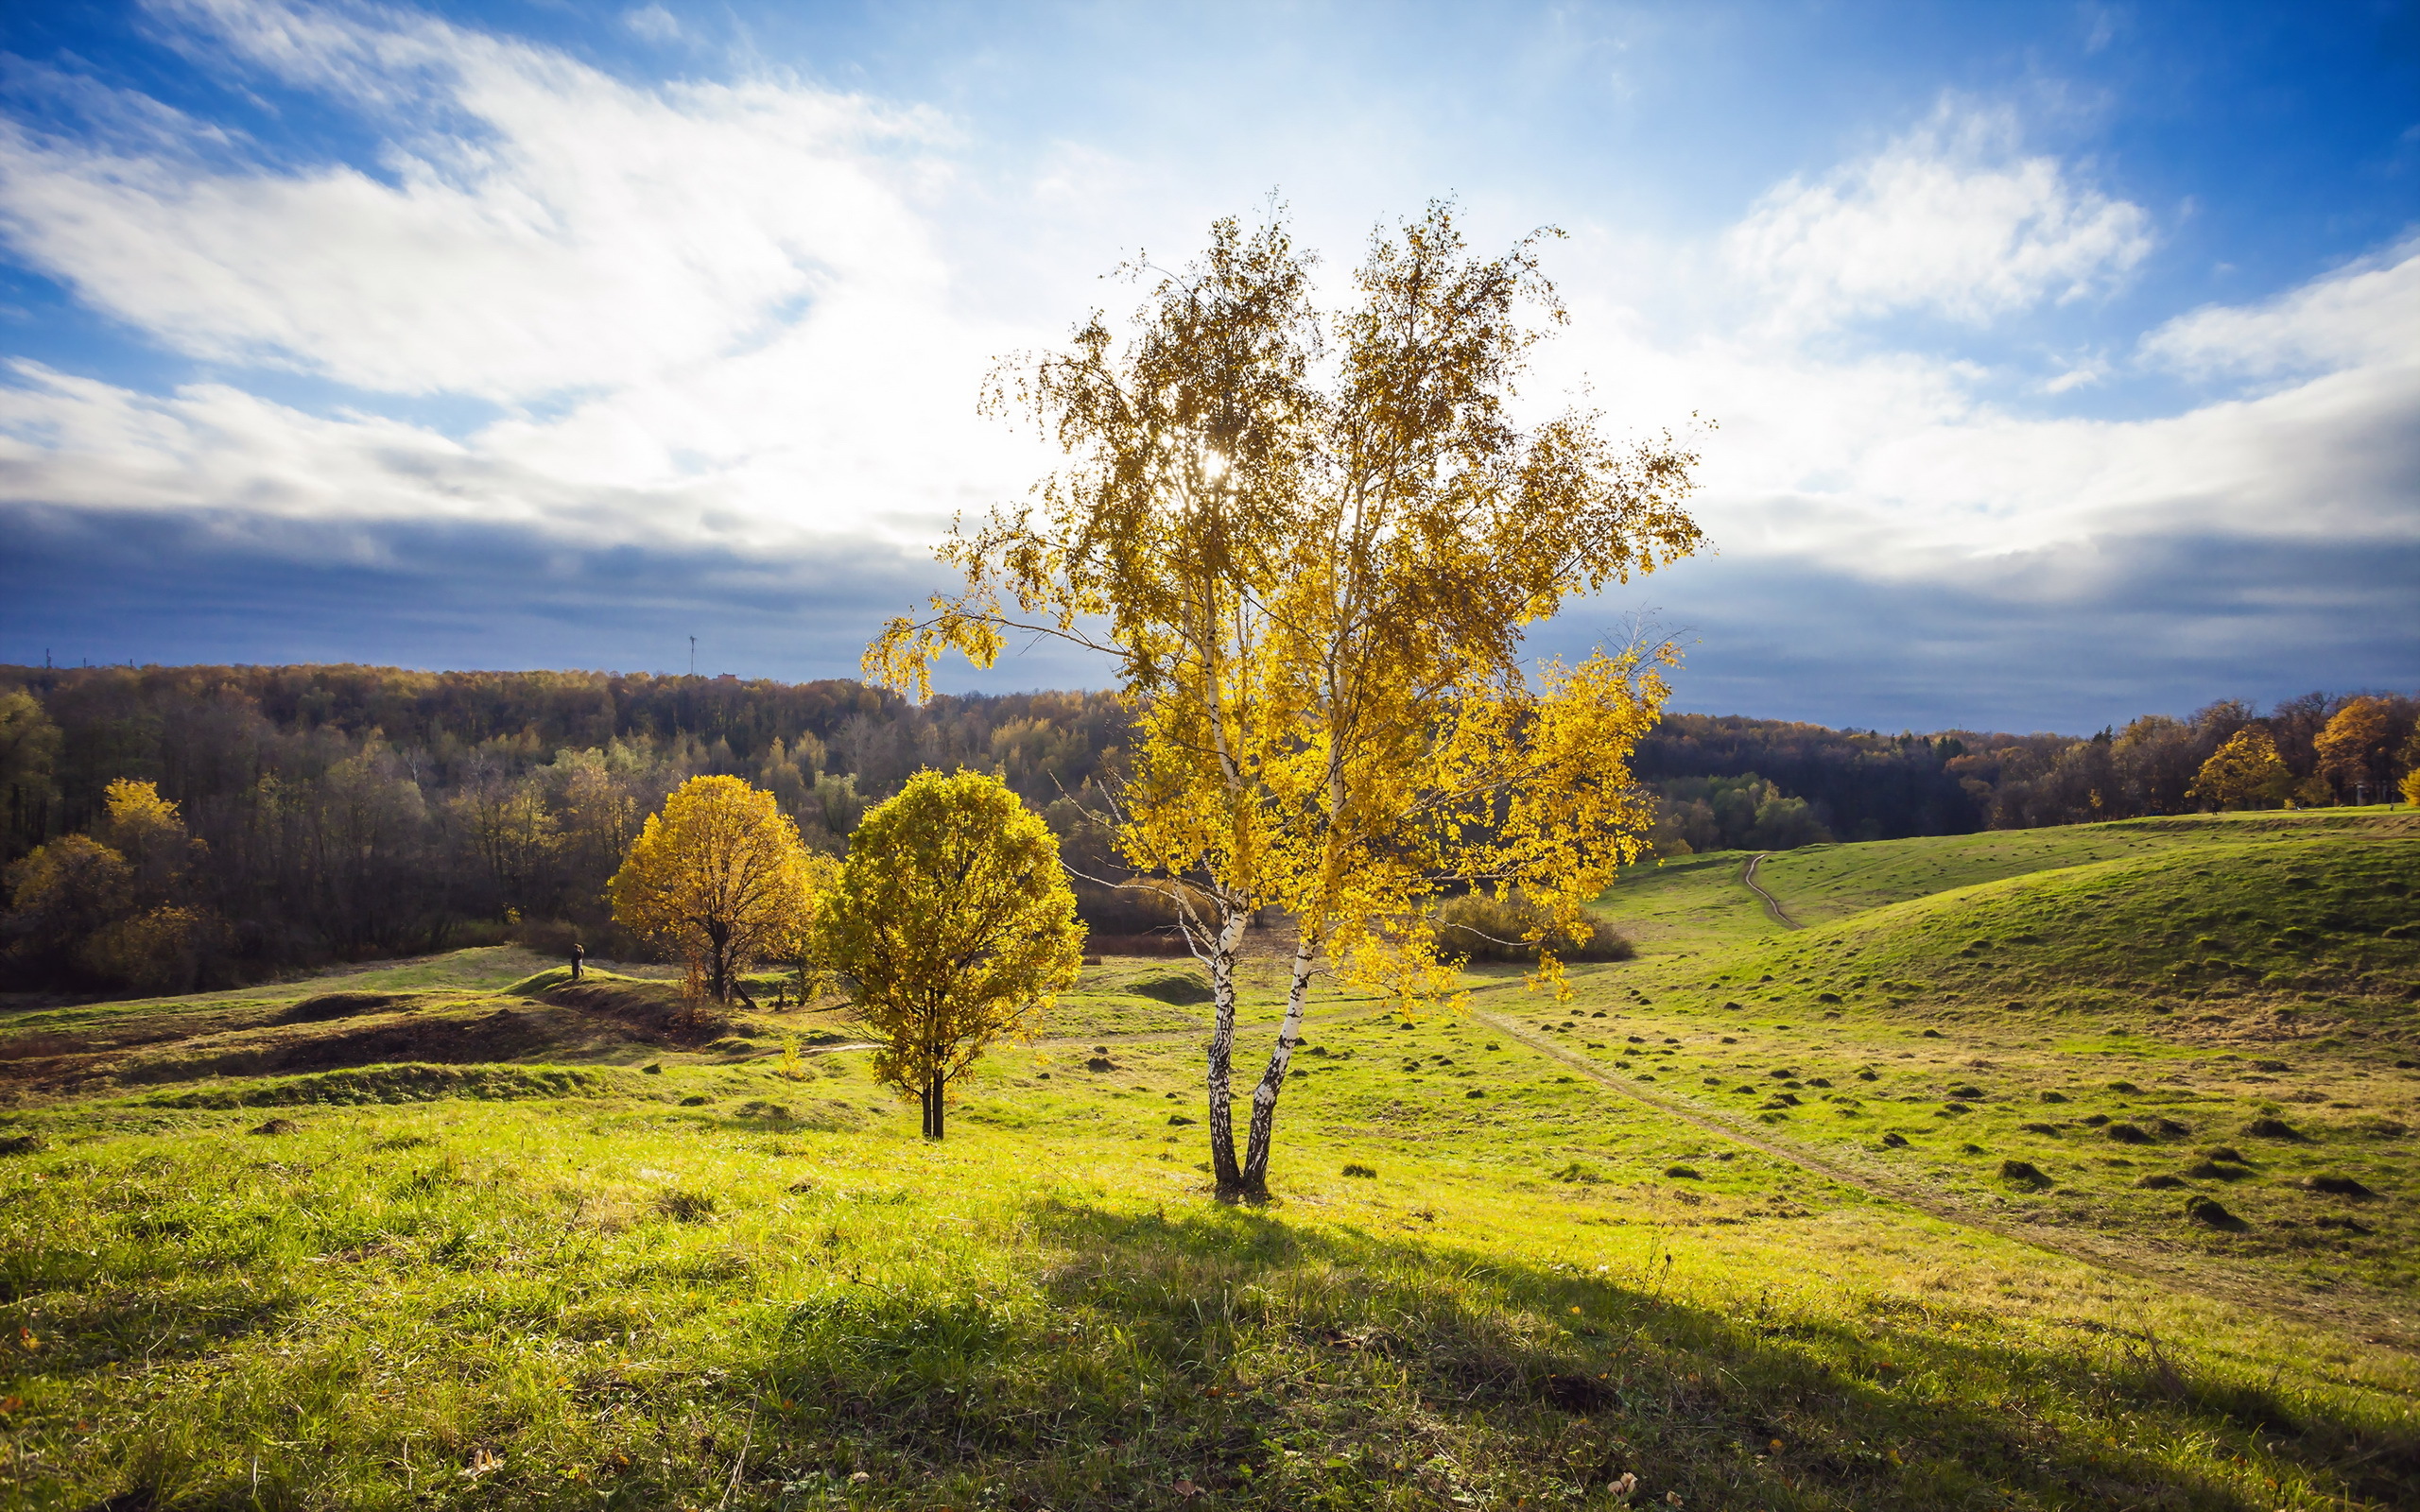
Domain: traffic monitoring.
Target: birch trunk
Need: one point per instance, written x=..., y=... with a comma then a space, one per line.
x=1273, y=1079
x=1222, y=953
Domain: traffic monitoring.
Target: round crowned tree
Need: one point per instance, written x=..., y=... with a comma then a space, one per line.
x=720, y=878
x=953, y=925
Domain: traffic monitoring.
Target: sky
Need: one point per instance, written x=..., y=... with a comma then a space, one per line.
x=2063, y=359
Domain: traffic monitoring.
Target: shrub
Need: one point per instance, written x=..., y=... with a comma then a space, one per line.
x=1492, y=929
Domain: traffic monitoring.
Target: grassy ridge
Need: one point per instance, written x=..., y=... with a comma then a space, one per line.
x=632, y=1269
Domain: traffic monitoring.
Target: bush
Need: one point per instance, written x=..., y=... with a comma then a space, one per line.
x=552, y=938
x=1481, y=928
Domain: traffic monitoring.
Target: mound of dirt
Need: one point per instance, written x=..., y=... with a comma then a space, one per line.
x=650, y=1011
x=1176, y=987
x=396, y=1084
x=446, y=1039
x=343, y=1005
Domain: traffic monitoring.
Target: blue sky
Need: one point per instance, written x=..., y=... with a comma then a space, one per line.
x=2065, y=357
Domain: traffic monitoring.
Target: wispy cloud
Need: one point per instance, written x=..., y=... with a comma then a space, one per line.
x=1951, y=219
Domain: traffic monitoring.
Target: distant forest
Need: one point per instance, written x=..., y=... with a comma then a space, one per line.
x=345, y=813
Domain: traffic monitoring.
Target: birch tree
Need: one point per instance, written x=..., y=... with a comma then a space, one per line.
x=1313, y=547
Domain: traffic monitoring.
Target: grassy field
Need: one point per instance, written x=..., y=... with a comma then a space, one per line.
x=1831, y=1218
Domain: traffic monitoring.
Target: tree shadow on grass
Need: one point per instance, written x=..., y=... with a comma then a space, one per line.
x=1239, y=1354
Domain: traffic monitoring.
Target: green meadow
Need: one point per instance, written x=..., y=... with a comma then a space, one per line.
x=2047, y=1169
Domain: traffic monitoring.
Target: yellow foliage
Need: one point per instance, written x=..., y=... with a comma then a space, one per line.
x=158, y=951
x=2244, y=773
x=146, y=829
x=953, y=925
x=2352, y=750
x=719, y=877
x=1318, y=596
x=75, y=881
x=137, y=809
x=793, y=944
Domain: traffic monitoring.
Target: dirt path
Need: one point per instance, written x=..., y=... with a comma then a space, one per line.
x=1773, y=905
x=2383, y=1324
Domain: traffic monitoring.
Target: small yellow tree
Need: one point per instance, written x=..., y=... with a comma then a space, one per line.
x=1313, y=548
x=2244, y=773
x=2353, y=750
x=146, y=829
x=953, y=926
x=720, y=878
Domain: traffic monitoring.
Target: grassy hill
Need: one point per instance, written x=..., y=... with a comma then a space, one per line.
x=1837, y=1216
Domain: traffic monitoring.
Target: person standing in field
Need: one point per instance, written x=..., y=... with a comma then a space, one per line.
x=578, y=953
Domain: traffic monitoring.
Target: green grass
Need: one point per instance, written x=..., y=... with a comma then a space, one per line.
x=555, y=1277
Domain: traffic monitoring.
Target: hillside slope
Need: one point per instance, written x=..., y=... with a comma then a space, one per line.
x=1702, y=1225
x=2202, y=1055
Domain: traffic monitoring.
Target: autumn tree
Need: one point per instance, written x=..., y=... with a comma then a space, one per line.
x=164, y=943
x=149, y=832
x=719, y=878
x=1312, y=547
x=2243, y=773
x=60, y=894
x=953, y=925
x=2353, y=750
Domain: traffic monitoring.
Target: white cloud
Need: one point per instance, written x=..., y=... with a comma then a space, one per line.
x=1892, y=467
x=2366, y=314
x=1948, y=219
x=728, y=294
x=564, y=231
x=763, y=310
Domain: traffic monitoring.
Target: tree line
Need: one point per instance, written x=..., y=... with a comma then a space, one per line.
x=1727, y=782
x=344, y=812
